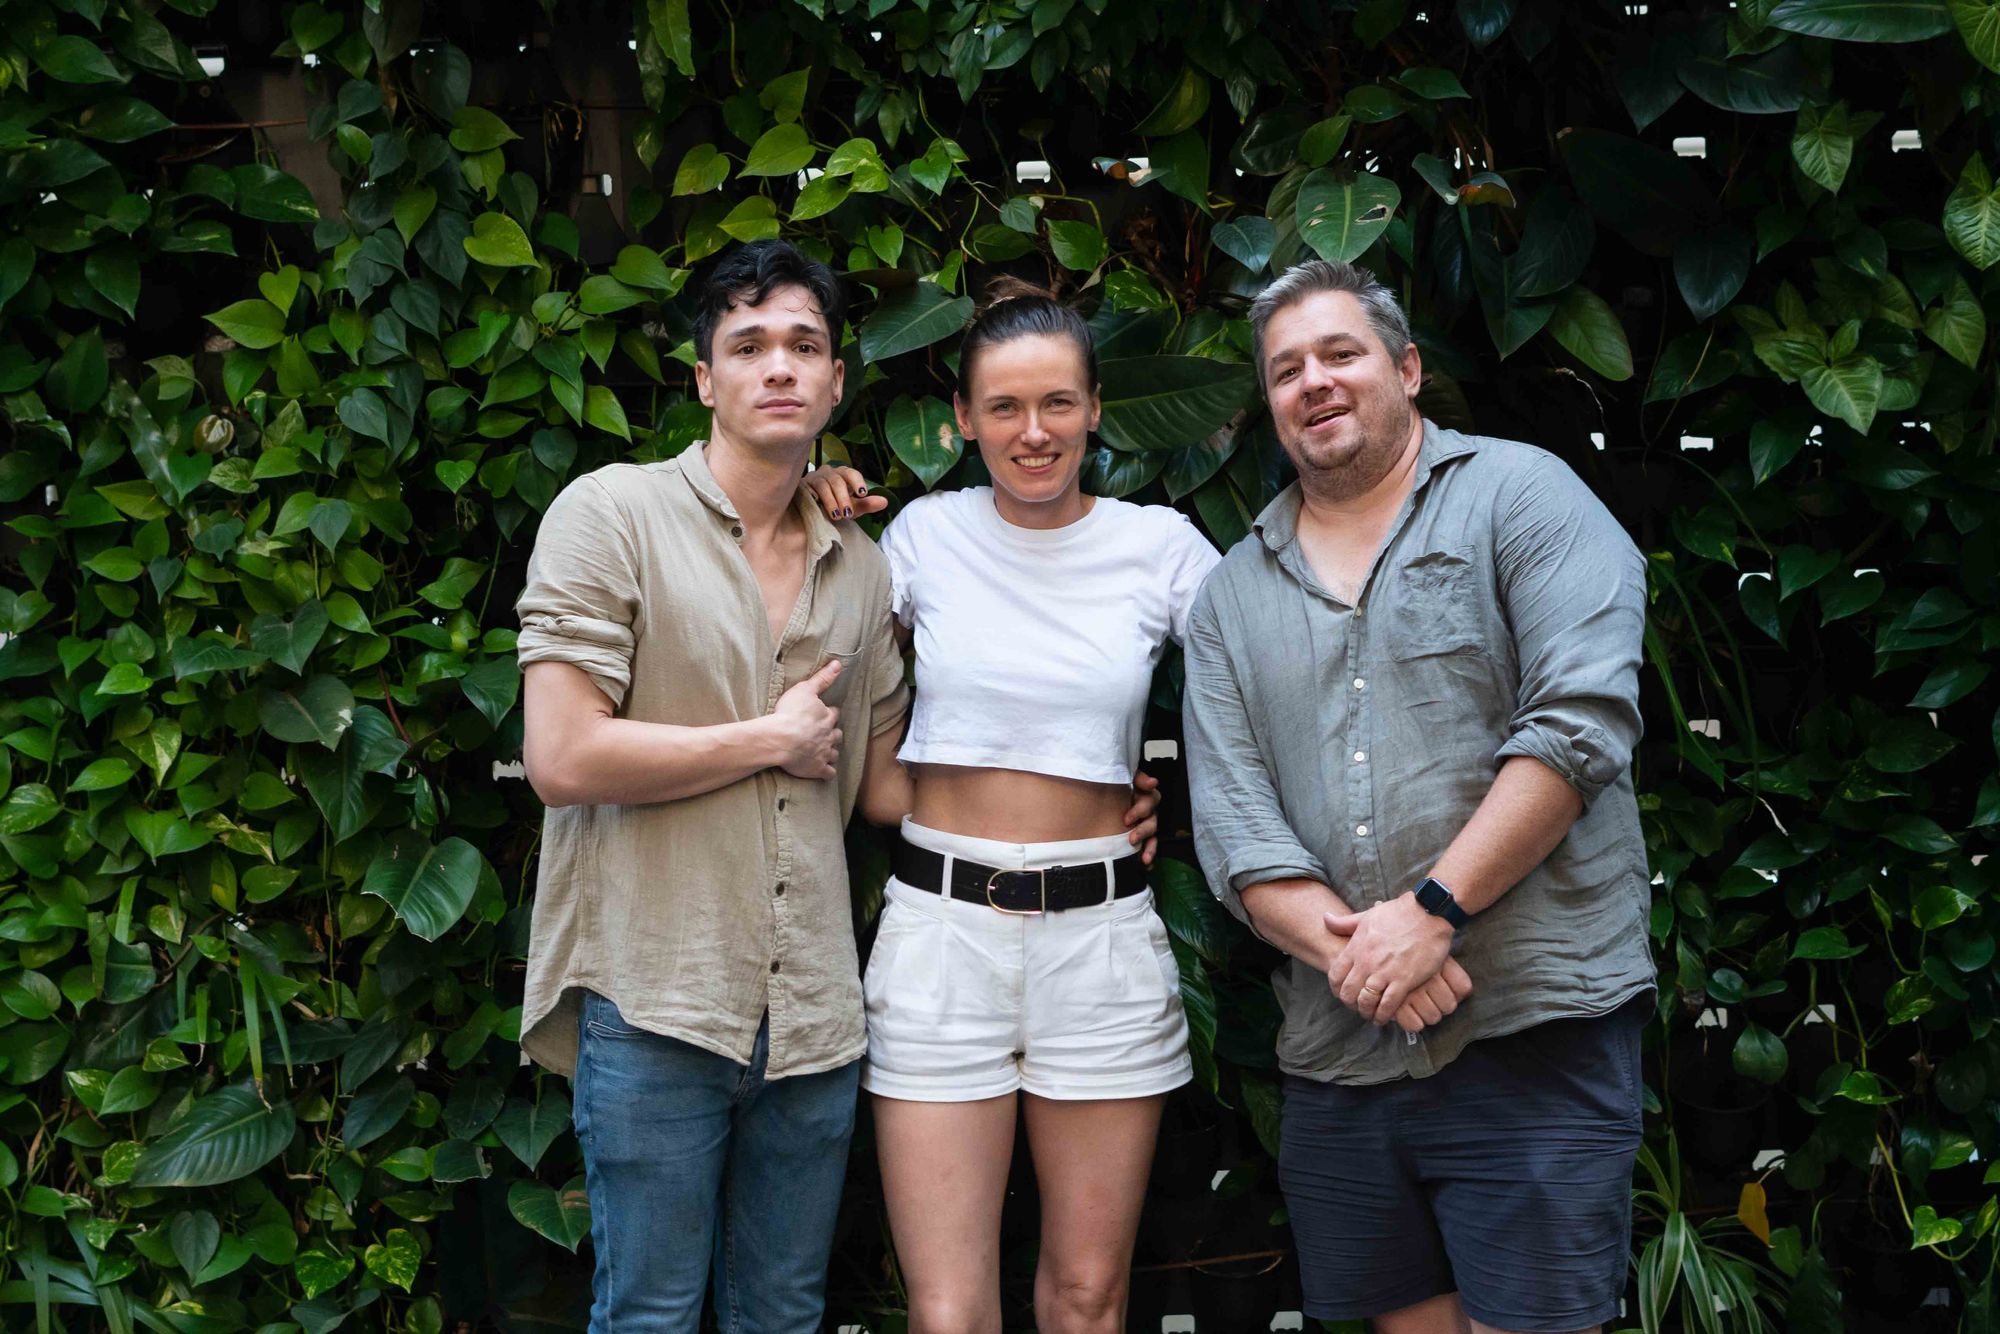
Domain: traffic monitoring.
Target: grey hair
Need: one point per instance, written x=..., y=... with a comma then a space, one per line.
x=1313, y=276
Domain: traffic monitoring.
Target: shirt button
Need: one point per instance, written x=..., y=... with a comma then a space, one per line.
x=1361, y=757
x=736, y=531
x=781, y=803
x=1360, y=830
x=1360, y=684
x=780, y=891
x=774, y=965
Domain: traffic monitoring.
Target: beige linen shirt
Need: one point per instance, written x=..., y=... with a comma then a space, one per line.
x=698, y=917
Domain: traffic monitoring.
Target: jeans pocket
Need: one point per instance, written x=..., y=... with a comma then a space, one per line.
x=601, y=1019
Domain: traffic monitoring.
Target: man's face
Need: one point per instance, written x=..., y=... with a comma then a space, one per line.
x=773, y=374
x=1341, y=402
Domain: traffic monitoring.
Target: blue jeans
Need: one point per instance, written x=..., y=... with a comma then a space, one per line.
x=697, y=1165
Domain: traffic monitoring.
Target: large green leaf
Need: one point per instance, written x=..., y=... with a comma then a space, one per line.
x=1183, y=105
x=252, y=323
x=1972, y=215
x=924, y=435
x=1710, y=268
x=1823, y=141
x=1192, y=914
x=317, y=710
x=429, y=887
x=779, y=151
x=528, y=1127
x=1164, y=403
x=499, y=241
x=914, y=317
x=226, y=1136
x=1589, y=328
x=1979, y=24
x=1863, y=20
x=77, y=60
x=1958, y=322
x=1850, y=389
x=561, y=1216
x=1340, y=216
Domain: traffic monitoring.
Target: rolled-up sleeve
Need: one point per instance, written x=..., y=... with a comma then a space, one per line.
x=581, y=599
x=1574, y=588
x=1240, y=829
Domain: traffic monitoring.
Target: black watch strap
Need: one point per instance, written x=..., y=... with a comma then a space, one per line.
x=1436, y=900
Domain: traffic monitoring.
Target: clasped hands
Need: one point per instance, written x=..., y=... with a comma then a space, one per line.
x=1393, y=961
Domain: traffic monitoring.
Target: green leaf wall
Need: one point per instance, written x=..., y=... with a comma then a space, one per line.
x=294, y=354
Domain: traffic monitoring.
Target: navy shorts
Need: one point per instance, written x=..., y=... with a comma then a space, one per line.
x=1506, y=1177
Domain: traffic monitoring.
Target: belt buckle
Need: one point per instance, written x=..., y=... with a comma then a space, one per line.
x=1041, y=893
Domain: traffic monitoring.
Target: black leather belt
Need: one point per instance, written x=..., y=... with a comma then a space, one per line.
x=1051, y=889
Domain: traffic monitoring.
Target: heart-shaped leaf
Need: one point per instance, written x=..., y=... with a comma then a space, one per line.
x=318, y=710
x=395, y=1259
x=319, y=1271
x=499, y=241
x=924, y=435
x=194, y=1236
x=528, y=1128
x=429, y=887
x=561, y=1216
x=914, y=317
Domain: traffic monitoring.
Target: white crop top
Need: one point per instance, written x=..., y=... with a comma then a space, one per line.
x=1036, y=647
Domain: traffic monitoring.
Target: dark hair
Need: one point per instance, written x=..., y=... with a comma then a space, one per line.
x=1015, y=309
x=747, y=274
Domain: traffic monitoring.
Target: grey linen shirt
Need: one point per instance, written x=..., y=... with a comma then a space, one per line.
x=699, y=917
x=1347, y=744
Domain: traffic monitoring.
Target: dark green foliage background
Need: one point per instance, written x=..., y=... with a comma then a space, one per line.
x=272, y=471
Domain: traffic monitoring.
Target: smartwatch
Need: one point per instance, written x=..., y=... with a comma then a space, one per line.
x=1436, y=900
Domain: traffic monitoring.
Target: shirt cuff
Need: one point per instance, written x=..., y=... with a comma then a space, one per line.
x=603, y=649
x=1256, y=863
x=1582, y=759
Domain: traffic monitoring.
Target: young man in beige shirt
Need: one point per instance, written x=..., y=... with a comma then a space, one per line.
x=709, y=665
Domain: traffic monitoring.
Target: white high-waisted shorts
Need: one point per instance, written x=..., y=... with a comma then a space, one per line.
x=967, y=1002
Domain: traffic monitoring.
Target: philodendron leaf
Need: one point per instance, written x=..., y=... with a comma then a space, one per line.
x=395, y=1259
x=1589, y=328
x=317, y=710
x=1164, y=403
x=1850, y=389
x=227, y=1135
x=914, y=317
x=779, y=151
x=252, y=323
x=1958, y=324
x=924, y=435
x=499, y=241
x=1340, y=216
x=1863, y=20
x=561, y=1216
x=528, y=1128
x=1972, y=215
x=429, y=887
x=1248, y=240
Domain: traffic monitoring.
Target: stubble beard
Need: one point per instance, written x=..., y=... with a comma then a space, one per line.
x=1343, y=472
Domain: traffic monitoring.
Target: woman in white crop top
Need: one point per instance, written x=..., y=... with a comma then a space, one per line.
x=998, y=981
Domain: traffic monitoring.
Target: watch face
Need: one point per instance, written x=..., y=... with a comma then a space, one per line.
x=1432, y=896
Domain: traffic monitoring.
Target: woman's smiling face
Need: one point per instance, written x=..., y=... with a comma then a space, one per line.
x=1031, y=408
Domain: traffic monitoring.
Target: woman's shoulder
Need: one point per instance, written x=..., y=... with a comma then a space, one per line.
x=1160, y=526
x=933, y=513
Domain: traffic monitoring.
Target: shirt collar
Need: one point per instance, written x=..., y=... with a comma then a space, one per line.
x=1278, y=525
x=822, y=533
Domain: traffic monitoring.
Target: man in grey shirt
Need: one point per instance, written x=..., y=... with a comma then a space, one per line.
x=1412, y=697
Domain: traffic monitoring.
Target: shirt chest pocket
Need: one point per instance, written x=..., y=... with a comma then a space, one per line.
x=1433, y=609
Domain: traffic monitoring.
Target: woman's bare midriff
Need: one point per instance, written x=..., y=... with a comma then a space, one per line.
x=1011, y=806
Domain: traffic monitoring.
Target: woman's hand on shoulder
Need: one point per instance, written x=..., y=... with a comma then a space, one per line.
x=842, y=492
